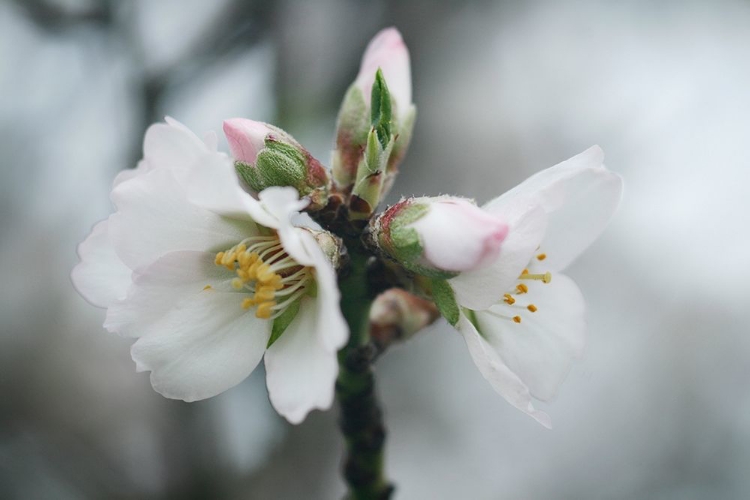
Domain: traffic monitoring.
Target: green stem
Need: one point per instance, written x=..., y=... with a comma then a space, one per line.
x=361, y=418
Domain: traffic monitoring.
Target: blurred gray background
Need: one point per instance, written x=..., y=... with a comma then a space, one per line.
x=660, y=406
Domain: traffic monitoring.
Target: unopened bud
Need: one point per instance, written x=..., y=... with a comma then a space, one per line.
x=396, y=315
x=386, y=58
x=438, y=237
x=267, y=156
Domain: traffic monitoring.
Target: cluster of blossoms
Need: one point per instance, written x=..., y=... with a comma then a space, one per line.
x=214, y=261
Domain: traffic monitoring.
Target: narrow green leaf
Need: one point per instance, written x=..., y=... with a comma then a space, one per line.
x=281, y=323
x=381, y=112
x=445, y=300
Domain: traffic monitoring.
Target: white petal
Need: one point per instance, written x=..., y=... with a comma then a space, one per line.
x=208, y=177
x=154, y=218
x=211, y=140
x=456, y=235
x=212, y=183
x=171, y=145
x=498, y=374
x=331, y=327
x=100, y=277
x=481, y=288
x=159, y=287
x=542, y=348
x=279, y=204
x=202, y=347
x=300, y=372
x=579, y=195
x=129, y=173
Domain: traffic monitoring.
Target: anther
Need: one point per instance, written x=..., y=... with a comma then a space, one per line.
x=265, y=309
x=219, y=258
x=541, y=256
x=532, y=308
x=236, y=283
x=264, y=293
x=522, y=288
x=264, y=272
x=207, y=287
x=517, y=319
x=508, y=299
x=228, y=258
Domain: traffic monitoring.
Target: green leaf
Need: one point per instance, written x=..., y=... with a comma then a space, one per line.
x=381, y=112
x=372, y=160
x=445, y=300
x=281, y=323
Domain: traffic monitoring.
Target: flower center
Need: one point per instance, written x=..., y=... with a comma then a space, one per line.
x=264, y=269
x=515, y=301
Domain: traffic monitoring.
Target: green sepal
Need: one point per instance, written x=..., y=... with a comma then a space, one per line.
x=353, y=115
x=402, y=138
x=281, y=164
x=352, y=127
x=405, y=242
x=381, y=111
x=404, y=245
x=281, y=323
x=250, y=175
x=445, y=300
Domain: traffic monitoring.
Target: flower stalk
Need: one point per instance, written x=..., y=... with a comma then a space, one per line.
x=361, y=418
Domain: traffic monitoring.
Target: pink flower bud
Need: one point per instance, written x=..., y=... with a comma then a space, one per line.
x=246, y=138
x=388, y=52
x=457, y=235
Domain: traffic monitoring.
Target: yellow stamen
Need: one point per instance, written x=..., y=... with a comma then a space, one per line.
x=260, y=278
x=545, y=278
x=228, y=258
x=274, y=282
x=219, y=257
x=264, y=293
x=522, y=288
x=517, y=319
x=532, y=308
x=508, y=299
x=525, y=271
x=248, y=303
x=264, y=309
x=252, y=271
x=541, y=256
